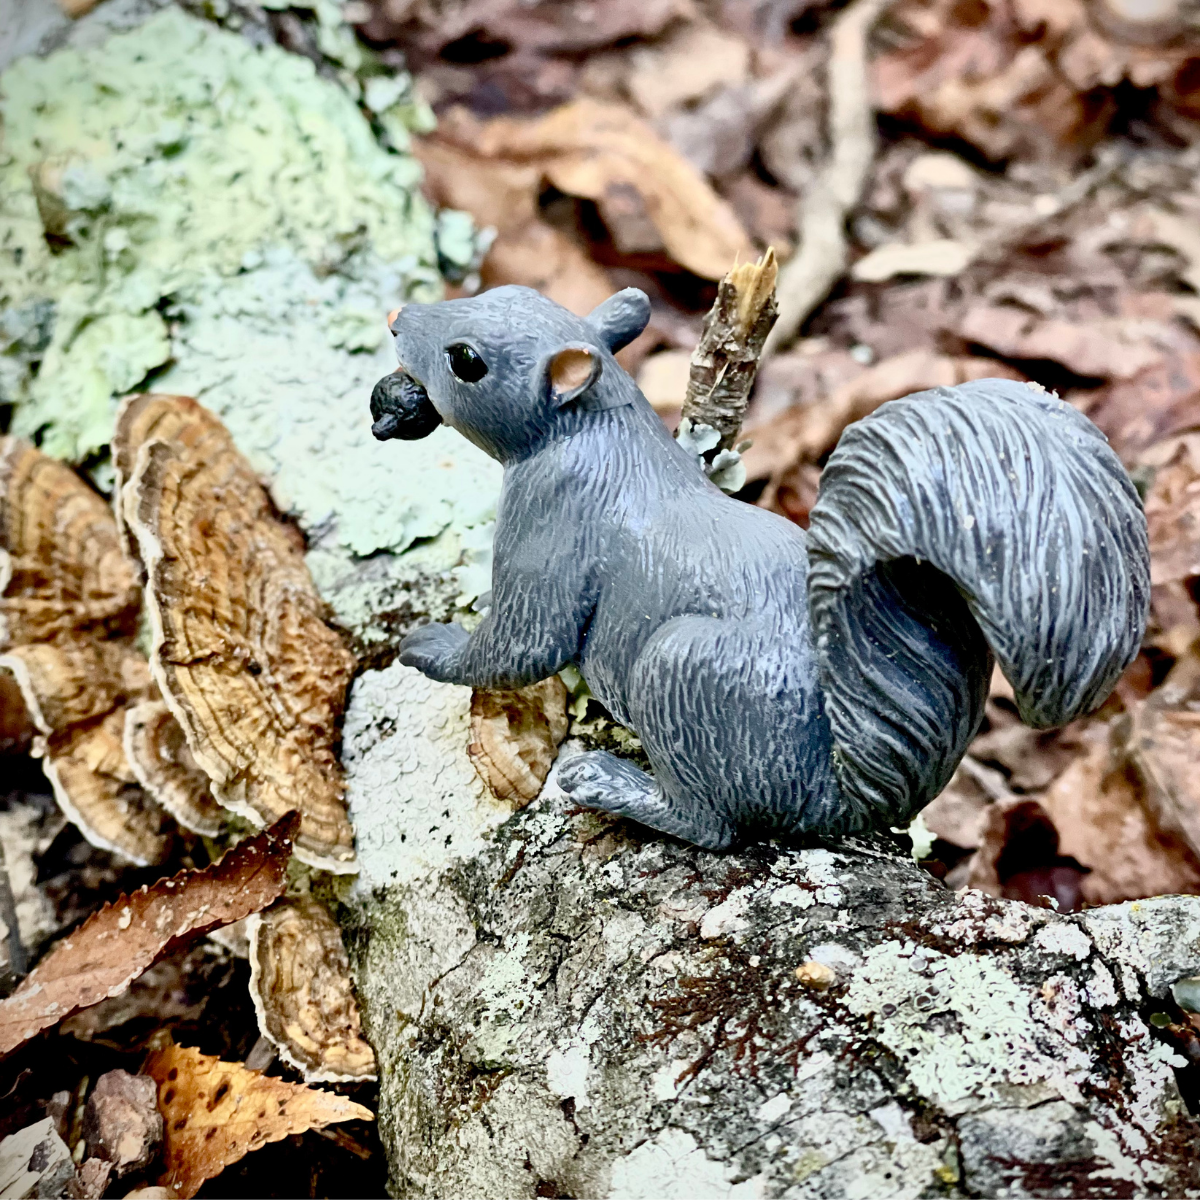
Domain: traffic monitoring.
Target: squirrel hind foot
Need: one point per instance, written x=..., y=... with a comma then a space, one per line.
x=598, y=779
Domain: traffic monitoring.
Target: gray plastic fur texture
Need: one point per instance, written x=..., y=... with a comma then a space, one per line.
x=952, y=524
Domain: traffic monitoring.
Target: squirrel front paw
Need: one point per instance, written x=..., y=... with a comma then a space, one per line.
x=432, y=649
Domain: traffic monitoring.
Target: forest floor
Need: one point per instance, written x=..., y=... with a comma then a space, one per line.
x=1016, y=192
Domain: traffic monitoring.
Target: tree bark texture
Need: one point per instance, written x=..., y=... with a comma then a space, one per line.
x=563, y=1005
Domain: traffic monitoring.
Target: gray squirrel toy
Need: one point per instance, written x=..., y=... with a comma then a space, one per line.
x=780, y=683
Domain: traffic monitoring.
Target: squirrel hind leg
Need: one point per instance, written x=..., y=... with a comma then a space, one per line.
x=598, y=779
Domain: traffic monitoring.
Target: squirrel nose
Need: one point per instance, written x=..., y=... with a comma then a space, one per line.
x=391, y=318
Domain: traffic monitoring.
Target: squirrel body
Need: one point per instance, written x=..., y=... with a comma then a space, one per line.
x=986, y=517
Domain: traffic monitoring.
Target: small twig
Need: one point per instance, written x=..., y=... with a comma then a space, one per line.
x=725, y=362
x=821, y=213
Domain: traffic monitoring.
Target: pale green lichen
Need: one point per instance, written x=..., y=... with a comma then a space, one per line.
x=954, y=1064
x=157, y=165
x=185, y=210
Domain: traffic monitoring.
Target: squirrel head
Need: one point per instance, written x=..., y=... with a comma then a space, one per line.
x=507, y=368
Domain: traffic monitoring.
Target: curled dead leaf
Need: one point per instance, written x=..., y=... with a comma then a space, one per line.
x=300, y=983
x=515, y=736
x=1030, y=79
x=530, y=27
x=650, y=197
x=527, y=250
x=1105, y=348
x=241, y=650
x=803, y=435
x=216, y=1113
x=1095, y=815
x=119, y=942
x=1163, y=742
x=1173, y=516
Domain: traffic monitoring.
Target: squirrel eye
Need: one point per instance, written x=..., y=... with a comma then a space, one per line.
x=465, y=363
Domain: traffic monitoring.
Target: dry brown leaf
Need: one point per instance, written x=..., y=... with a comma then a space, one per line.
x=300, y=983
x=241, y=651
x=119, y=942
x=808, y=432
x=1100, y=812
x=1164, y=747
x=959, y=815
x=216, y=1113
x=1028, y=78
x=787, y=448
x=1102, y=818
x=696, y=59
x=1030, y=759
x=651, y=199
x=162, y=763
x=69, y=602
x=1158, y=402
x=1115, y=348
x=1173, y=517
x=515, y=737
x=527, y=250
x=663, y=379
x=529, y=27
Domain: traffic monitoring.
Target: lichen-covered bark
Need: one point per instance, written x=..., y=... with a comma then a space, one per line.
x=565, y=1005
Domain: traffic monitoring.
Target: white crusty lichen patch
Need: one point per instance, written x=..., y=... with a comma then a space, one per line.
x=673, y=1166
x=415, y=798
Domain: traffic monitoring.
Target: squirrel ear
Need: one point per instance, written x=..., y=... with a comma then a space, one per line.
x=570, y=373
x=621, y=317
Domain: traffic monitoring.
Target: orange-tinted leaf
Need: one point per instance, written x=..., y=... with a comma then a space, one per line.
x=119, y=942
x=216, y=1112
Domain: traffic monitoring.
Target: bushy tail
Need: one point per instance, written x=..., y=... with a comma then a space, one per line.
x=951, y=525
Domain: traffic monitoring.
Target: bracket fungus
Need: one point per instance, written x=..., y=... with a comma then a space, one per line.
x=515, y=737
x=240, y=647
x=68, y=610
x=61, y=567
x=162, y=763
x=300, y=984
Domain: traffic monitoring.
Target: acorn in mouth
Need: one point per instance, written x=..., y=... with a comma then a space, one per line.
x=401, y=408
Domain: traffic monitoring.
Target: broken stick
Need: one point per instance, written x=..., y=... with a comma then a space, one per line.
x=725, y=362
